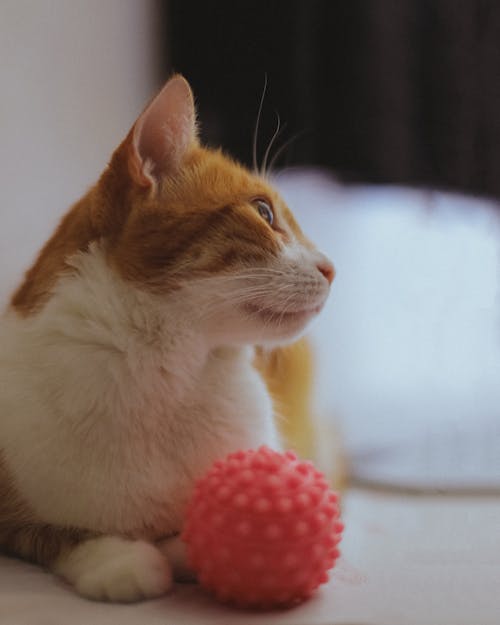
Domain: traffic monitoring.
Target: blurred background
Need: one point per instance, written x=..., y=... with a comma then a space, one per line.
x=388, y=151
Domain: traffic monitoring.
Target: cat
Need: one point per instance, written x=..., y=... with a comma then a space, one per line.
x=127, y=353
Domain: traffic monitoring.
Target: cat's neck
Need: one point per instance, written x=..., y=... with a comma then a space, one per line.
x=93, y=306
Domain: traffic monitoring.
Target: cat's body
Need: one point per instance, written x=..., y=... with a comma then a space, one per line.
x=126, y=359
x=122, y=368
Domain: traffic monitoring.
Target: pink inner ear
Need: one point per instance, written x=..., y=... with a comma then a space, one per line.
x=164, y=132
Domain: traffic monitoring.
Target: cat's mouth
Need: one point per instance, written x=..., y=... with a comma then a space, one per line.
x=279, y=317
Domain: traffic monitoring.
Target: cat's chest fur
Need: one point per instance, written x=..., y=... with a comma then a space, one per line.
x=109, y=413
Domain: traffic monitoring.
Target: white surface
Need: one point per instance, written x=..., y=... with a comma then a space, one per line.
x=406, y=561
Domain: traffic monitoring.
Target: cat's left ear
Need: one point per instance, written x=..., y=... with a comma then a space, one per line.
x=163, y=134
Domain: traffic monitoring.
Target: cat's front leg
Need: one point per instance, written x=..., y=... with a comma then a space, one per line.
x=110, y=568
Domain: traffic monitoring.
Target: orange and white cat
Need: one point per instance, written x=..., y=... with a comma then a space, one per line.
x=126, y=356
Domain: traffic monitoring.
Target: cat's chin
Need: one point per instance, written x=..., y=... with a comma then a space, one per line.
x=282, y=325
x=282, y=317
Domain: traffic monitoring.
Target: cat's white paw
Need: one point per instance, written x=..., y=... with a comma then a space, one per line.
x=114, y=569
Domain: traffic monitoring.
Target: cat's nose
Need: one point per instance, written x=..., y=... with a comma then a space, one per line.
x=327, y=269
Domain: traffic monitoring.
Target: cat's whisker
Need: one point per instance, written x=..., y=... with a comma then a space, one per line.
x=286, y=307
x=265, y=270
x=238, y=299
x=247, y=295
x=257, y=124
x=282, y=148
x=263, y=167
x=266, y=287
x=263, y=288
x=247, y=273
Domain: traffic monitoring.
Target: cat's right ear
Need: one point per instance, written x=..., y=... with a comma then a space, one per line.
x=163, y=134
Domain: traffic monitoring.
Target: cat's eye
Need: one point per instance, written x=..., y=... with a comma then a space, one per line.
x=265, y=211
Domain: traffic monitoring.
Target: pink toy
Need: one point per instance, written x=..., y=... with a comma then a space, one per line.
x=262, y=529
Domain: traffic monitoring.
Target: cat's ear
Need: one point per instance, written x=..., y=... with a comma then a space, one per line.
x=163, y=134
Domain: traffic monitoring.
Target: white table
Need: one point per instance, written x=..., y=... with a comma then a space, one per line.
x=406, y=561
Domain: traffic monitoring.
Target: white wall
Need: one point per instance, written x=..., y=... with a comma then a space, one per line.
x=74, y=74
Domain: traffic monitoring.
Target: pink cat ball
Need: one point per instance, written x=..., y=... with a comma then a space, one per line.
x=262, y=529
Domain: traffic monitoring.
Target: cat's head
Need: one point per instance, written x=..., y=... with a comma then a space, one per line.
x=189, y=223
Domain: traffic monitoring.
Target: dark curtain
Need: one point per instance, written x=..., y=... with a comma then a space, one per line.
x=398, y=91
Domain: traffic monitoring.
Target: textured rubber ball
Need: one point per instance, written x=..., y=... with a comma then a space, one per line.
x=262, y=529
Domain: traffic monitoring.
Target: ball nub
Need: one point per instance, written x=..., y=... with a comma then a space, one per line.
x=262, y=529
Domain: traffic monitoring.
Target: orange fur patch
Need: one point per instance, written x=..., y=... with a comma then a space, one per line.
x=202, y=219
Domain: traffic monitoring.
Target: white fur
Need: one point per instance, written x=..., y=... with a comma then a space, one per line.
x=113, y=401
x=111, y=568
